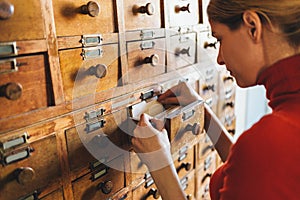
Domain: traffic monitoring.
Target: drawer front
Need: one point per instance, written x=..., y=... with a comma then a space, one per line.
x=30, y=168
x=188, y=185
x=208, y=49
x=85, y=75
x=181, y=10
x=202, y=185
x=25, y=87
x=18, y=25
x=184, y=161
x=146, y=59
x=71, y=14
x=182, y=51
x=142, y=192
x=142, y=14
x=204, y=148
x=97, y=141
x=100, y=184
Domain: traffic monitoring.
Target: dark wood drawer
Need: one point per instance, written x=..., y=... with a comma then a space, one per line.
x=25, y=85
x=86, y=71
x=70, y=20
x=19, y=26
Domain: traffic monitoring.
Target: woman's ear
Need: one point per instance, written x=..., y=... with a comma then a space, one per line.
x=253, y=23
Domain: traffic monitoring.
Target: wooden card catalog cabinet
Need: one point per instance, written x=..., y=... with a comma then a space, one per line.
x=28, y=166
x=87, y=71
x=17, y=22
x=142, y=14
x=23, y=79
x=84, y=17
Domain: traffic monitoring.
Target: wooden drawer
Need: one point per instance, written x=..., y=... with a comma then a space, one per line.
x=188, y=185
x=208, y=49
x=182, y=51
x=184, y=161
x=183, y=13
x=185, y=125
x=26, y=87
x=204, y=148
x=86, y=71
x=202, y=185
x=148, y=191
x=146, y=59
x=142, y=14
x=98, y=141
x=68, y=13
x=57, y=195
x=29, y=167
x=101, y=183
x=19, y=26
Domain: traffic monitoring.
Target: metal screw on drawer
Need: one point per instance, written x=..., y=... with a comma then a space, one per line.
x=154, y=193
x=92, y=9
x=195, y=128
x=153, y=60
x=25, y=175
x=99, y=70
x=207, y=44
x=106, y=187
x=6, y=10
x=11, y=91
x=183, y=8
x=148, y=9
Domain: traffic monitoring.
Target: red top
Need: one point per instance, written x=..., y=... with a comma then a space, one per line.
x=264, y=163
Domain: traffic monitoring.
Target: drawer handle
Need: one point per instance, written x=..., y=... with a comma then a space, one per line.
x=207, y=44
x=92, y=9
x=106, y=187
x=99, y=70
x=195, y=128
x=153, y=60
x=183, y=51
x=147, y=9
x=209, y=87
x=25, y=175
x=153, y=192
x=189, y=197
x=207, y=175
x=12, y=91
x=187, y=166
x=6, y=10
x=183, y=8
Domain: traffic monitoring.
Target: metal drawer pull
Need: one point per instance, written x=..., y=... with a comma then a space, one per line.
x=149, y=182
x=11, y=91
x=8, y=66
x=153, y=192
x=195, y=128
x=92, y=9
x=207, y=44
x=187, y=166
x=183, y=8
x=99, y=70
x=106, y=187
x=25, y=175
x=147, y=9
x=183, y=51
x=33, y=196
x=91, y=53
x=11, y=143
x=6, y=10
x=8, y=48
x=91, y=40
x=207, y=163
x=16, y=156
x=94, y=126
x=188, y=114
x=99, y=173
x=207, y=175
x=147, y=45
x=147, y=95
x=209, y=87
x=153, y=60
x=94, y=114
x=146, y=34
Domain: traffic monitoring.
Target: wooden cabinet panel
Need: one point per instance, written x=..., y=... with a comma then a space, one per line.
x=24, y=84
x=146, y=59
x=70, y=20
x=182, y=51
x=142, y=14
x=86, y=71
x=184, y=161
x=37, y=167
x=20, y=26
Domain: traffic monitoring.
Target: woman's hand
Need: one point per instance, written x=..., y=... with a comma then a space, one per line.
x=181, y=94
x=151, y=143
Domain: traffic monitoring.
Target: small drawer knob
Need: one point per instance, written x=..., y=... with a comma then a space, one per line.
x=106, y=187
x=99, y=70
x=195, y=128
x=153, y=60
x=148, y=9
x=187, y=166
x=25, y=175
x=11, y=91
x=6, y=10
x=153, y=192
x=92, y=9
x=183, y=8
x=207, y=44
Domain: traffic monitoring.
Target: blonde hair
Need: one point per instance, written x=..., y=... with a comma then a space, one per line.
x=284, y=14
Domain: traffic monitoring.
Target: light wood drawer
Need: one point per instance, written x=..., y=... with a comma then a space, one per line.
x=86, y=71
x=25, y=85
x=146, y=59
x=96, y=142
x=202, y=185
x=188, y=185
x=70, y=21
x=20, y=26
x=101, y=183
x=142, y=14
x=29, y=167
x=183, y=12
x=182, y=51
x=184, y=161
x=204, y=148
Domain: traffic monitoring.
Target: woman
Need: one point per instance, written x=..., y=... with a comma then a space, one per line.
x=260, y=45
